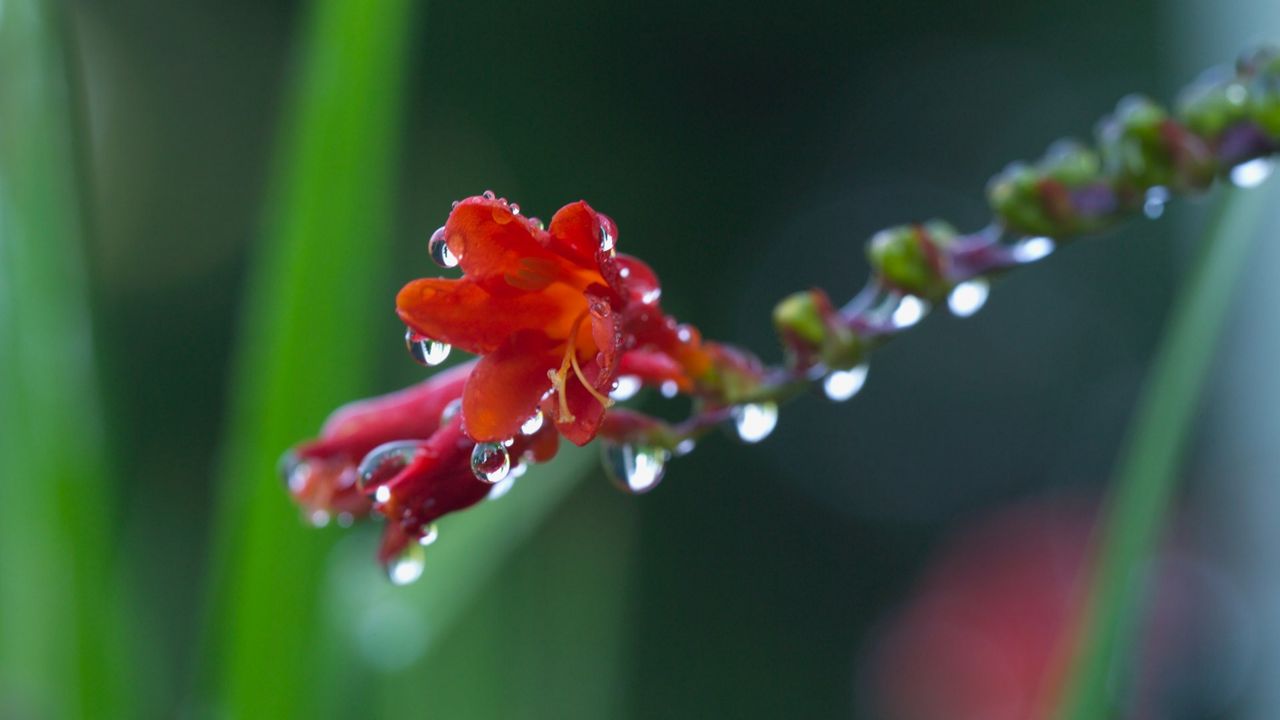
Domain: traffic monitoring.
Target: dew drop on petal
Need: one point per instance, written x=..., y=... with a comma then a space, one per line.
x=754, y=421
x=488, y=195
x=626, y=388
x=533, y=424
x=439, y=250
x=407, y=566
x=968, y=297
x=607, y=241
x=1252, y=173
x=635, y=469
x=429, y=534
x=1154, y=202
x=450, y=411
x=490, y=462
x=910, y=310
x=382, y=494
x=840, y=385
x=515, y=209
x=1029, y=250
x=424, y=350
x=383, y=462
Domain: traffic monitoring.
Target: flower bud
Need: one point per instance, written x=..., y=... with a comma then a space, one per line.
x=912, y=258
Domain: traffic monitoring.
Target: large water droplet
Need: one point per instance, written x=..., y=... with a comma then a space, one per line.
x=384, y=462
x=1252, y=173
x=1029, y=250
x=627, y=387
x=968, y=297
x=910, y=310
x=424, y=350
x=841, y=385
x=533, y=424
x=755, y=421
x=490, y=462
x=1154, y=202
x=407, y=566
x=439, y=250
x=635, y=469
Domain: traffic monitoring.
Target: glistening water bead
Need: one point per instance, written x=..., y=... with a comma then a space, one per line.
x=968, y=297
x=1252, y=173
x=635, y=469
x=626, y=388
x=385, y=461
x=490, y=462
x=533, y=424
x=407, y=565
x=755, y=421
x=424, y=350
x=439, y=250
x=840, y=385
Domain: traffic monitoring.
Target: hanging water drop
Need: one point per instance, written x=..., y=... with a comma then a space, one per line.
x=439, y=250
x=490, y=462
x=1154, y=202
x=626, y=388
x=968, y=297
x=429, y=535
x=841, y=385
x=533, y=424
x=910, y=310
x=1029, y=250
x=407, y=565
x=424, y=350
x=385, y=462
x=754, y=421
x=635, y=469
x=1252, y=173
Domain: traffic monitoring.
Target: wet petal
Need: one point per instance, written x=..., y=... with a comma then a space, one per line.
x=490, y=242
x=462, y=313
x=576, y=232
x=507, y=384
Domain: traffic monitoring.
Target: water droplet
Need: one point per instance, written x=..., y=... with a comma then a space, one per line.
x=490, y=462
x=841, y=385
x=346, y=519
x=439, y=250
x=1156, y=198
x=384, y=462
x=607, y=240
x=407, y=566
x=293, y=471
x=636, y=469
x=488, y=195
x=651, y=296
x=450, y=411
x=755, y=421
x=685, y=446
x=626, y=388
x=515, y=209
x=533, y=424
x=684, y=334
x=382, y=494
x=968, y=297
x=1029, y=250
x=669, y=388
x=537, y=223
x=910, y=310
x=502, y=487
x=319, y=518
x=429, y=534
x=1252, y=173
x=424, y=350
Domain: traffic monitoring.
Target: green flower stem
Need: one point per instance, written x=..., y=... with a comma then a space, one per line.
x=1148, y=471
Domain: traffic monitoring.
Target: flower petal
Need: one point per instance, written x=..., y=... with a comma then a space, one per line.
x=507, y=384
x=462, y=313
x=491, y=242
x=576, y=232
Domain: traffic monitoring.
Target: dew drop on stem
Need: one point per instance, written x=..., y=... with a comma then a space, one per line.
x=634, y=469
x=840, y=385
x=755, y=421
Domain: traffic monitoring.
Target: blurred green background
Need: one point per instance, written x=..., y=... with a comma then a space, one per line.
x=232, y=192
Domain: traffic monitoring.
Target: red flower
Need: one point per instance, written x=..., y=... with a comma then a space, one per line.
x=551, y=312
